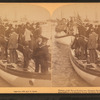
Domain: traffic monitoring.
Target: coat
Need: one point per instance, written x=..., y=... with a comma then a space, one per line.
x=26, y=53
x=42, y=53
x=13, y=41
x=92, y=41
x=37, y=32
x=82, y=30
x=28, y=35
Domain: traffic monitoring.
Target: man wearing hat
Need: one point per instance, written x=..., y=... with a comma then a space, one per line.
x=98, y=32
x=38, y=30
x=41, y=56
x=36, y=35
x=12, y=46
x=92, y=46
x=27, y=35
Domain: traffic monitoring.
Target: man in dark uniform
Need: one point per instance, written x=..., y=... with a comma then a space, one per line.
x=82, y=30
x=41, y=56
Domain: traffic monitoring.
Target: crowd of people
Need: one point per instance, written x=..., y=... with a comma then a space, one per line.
x=87, y=42
x=29, y=40
x=65, y=25
x=87, y=38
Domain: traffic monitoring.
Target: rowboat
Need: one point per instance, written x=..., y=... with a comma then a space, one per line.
x=64, y=38
x=18, y=76
x=89, y=72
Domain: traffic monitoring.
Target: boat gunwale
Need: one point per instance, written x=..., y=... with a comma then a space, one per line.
x=57, y=37
x=25, y=74
x=81, y=67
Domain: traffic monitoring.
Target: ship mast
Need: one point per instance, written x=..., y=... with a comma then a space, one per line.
x=15, y=16
x=96, y=16
x=61, y=13
x=86, y=17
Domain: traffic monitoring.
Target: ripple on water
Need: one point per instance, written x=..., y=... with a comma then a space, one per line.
x=63, y=74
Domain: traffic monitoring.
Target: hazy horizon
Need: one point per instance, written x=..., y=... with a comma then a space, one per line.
x=18, y=11
x=83, y=9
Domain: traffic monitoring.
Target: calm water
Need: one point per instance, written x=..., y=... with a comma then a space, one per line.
x=63, y=73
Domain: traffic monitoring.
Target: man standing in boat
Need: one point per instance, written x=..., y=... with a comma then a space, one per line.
x=92, y=46
x=38, y=30
x=27, y=35
x=12, y=46
x=98, y=32
x=36, y=36
x=41, y=56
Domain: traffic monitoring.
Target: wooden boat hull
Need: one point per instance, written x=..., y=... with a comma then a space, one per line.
x=19, y=81
x=22, y=77
x=89, y=76
x=16, y=80
x=67, y=40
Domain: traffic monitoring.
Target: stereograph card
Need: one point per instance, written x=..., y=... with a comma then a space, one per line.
x=49, y=48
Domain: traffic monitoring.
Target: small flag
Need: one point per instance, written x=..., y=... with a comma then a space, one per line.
x=79, y=20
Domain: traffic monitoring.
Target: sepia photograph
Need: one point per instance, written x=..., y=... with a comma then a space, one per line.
x=25, y=46
x=50, y=48
x=76, y=46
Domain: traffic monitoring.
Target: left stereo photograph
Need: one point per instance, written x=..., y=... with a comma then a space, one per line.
x=25, y=46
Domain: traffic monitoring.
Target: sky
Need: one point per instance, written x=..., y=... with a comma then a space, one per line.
x=90, y=10
x=34, y=12
x=17, y=11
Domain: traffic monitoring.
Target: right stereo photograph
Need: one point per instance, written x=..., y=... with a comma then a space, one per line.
x=76, y=46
